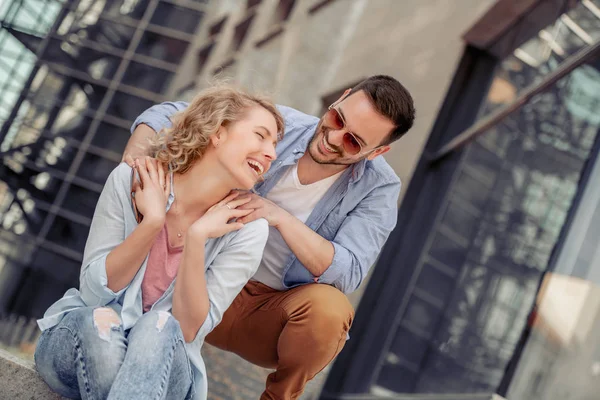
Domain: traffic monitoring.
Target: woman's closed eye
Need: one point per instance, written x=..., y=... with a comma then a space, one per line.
x=260, y=134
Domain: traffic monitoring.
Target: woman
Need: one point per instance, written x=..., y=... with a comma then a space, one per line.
x=133, y=331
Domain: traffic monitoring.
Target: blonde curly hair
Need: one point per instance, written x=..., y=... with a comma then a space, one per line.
x=189, y=137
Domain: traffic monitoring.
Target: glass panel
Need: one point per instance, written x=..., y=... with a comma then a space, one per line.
x=561, y=359
x=33, y=15
x=111, y=137
x=68, y=233
x=128, y=107
x=98, y=64
x=502, y=218
x=47, y=270
x=176, y=17
x=81, y=201
x=162, y=47
x=143, y=76
x=96, y=168
x=131, y=9
x=542, y=54
x=100, y=23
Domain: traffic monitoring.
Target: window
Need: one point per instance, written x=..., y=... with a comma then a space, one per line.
x=319, y=5
x=241, y=32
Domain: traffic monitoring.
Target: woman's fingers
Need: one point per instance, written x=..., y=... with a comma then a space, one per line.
x=135, y=186
x=143, y=172
x=238, y=202
x=229, y=198
x=161, y=175
x=240, y=213
x=152, y=169
x=226, y=200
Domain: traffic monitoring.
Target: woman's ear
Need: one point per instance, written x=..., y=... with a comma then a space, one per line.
x=219, y=137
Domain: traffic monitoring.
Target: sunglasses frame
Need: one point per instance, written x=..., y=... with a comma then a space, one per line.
x=333, y=107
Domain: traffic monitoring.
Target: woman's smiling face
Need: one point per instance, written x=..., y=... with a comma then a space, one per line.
x=246, y=147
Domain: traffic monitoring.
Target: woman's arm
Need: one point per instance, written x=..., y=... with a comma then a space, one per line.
x=110, y=259
x=124, y=261
x=190, y=298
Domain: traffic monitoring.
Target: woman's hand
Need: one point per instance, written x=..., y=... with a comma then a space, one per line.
x=152, y=192
x=220, y=218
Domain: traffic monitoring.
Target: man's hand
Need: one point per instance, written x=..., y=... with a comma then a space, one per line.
x=137, y=146
x=263, y=208
x=128, y=158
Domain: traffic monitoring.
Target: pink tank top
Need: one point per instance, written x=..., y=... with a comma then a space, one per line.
x=161, y=269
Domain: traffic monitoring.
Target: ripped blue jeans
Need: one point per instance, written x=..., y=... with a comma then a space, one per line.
x=88, y=355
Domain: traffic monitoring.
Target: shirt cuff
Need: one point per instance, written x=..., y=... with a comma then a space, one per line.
x=206, y=327
x=156, y=127
x=96, y=282
x=335, y=271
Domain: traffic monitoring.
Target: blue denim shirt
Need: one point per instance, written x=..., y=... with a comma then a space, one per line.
x=357, y=213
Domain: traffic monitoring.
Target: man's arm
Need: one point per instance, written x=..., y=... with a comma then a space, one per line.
x=145, y=126
x=344, y=261
x=361, y=237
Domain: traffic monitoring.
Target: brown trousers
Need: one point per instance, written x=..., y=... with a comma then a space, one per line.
x=296, y=332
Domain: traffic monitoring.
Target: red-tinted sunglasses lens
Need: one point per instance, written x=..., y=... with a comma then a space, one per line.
x=350, y=143
x=334, y=119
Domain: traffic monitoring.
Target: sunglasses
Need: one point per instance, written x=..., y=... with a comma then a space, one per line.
x=334, y=120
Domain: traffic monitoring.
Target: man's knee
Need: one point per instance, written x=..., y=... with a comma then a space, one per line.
x=328, y=312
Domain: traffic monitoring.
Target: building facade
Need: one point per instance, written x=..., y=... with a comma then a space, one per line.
x=488, y=285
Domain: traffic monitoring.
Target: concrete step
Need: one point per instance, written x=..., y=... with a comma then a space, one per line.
x=19, y=380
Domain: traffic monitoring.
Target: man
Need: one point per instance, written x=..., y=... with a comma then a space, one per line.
x=331, y=203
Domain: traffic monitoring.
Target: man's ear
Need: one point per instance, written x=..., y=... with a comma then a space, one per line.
x=379, y=151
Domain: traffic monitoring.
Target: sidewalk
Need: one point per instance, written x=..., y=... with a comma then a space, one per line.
x=230, y=378
x=18, y=380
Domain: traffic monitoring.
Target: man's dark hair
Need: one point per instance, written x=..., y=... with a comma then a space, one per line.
x=391, y=100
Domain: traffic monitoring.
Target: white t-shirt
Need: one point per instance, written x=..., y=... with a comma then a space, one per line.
x=299, y=200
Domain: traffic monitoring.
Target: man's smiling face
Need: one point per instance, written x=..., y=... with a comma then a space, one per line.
x=369, y=128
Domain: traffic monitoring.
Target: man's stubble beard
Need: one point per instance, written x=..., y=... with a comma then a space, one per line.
x=314, y=152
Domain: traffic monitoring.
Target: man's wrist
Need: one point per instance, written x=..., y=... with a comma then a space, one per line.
x=283, y=218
